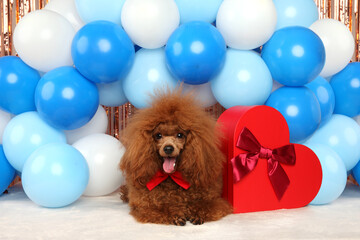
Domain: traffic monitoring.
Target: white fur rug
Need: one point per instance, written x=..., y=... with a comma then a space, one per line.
x=107, y=218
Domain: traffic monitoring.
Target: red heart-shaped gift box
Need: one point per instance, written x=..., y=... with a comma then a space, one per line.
x=254, y=192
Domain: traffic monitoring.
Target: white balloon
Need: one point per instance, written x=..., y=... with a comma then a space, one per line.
x=102, y=153
x=67, y=9
x=43, y=40
x=338, y=42
x=149, y=23
x=98, y=124
x=202, y=93
x=4, y=120
x=246, y=24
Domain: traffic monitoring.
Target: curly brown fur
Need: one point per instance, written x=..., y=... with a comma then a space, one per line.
x=124, y=193
x=198, y=158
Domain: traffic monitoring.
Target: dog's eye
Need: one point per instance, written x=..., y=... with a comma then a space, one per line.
x=180, y=135
x=158, y=136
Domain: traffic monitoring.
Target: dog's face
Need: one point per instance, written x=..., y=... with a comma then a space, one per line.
x=174, y=134
x=170, y=140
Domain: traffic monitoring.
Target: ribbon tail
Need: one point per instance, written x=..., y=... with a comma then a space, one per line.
x=278, y=178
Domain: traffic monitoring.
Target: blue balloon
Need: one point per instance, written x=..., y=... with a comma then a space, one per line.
x=149, y=73
x=300, y=108
x=342, y=134
x=325, y=96
x=346, y=85
x=17, y=85
x=7, y=172
x=356, y=172
x=111, y=94
x=334, y=175
x=244, y=80
x=55, y=175
x=93, y=10
x=195, y=52
x=294, y=55
x=102, y=52
x=295, y=13
x=24, y=134
x=65, y=99
x=199, y=10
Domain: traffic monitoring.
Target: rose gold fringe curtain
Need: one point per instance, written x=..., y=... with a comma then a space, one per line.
x=346, y=11
x=10, y=13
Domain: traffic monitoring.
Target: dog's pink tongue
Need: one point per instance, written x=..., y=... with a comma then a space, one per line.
x=169, y=165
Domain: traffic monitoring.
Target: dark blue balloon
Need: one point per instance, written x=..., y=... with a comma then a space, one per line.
x=258, y=50
x=137, y=48
x=294, y=56
x=325, y=96
x=65, y=99
x=346, y=85
x=17, y=85
x=356, y=172
x=300, y=108
x=102, y=52
x=195, y=52
x=7, y=172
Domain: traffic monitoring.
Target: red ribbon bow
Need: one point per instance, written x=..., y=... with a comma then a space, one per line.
x=246, y=162
x=160, y=176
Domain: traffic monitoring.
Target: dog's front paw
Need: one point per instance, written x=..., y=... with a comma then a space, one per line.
x=196, y=220
x=179, y=221
x=124, y=192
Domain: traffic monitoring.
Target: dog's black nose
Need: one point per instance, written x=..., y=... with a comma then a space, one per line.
x=168, y=149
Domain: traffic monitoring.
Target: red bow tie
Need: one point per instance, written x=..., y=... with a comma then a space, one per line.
x=160, y=176
x=246, y=162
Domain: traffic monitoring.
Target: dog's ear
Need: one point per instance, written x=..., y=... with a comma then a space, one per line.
x=203, y=160
x=138, y=162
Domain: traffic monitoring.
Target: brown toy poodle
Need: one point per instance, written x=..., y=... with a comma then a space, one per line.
x=172, y=164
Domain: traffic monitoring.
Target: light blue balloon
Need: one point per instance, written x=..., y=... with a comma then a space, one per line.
x=24, y=134
x=111, y=94
x=198, y=10
x=55, y=175
x=334, y=174
x=342, y=134
x=244, y=80
x=295, y=13
x=93, y=10
x=325, y=95
x=148, y=73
